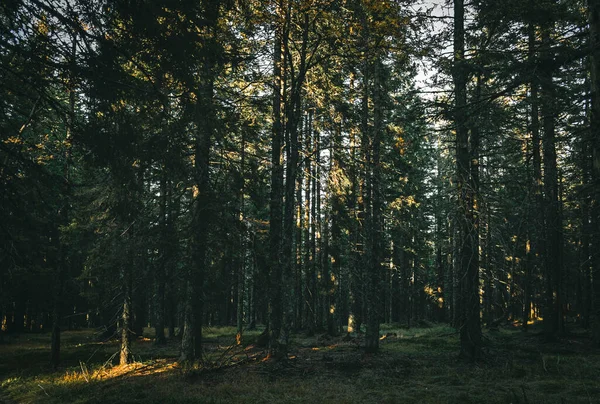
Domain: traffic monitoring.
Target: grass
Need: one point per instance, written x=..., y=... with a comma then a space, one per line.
x=414, y=365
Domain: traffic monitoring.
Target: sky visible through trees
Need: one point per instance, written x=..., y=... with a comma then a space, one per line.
x=298, y=167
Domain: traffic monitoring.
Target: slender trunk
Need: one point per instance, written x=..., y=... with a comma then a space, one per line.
x=308, y=239
x=584, y=292
x=298, y=251
x=489, y=276
x=354, y=202
x=337, y=212
x=126, y=313
x=313, y=284
x=60, y=262
x=456, y=271
x=375, y=286
x=474, y=183
x=318, y=244
x=171, y=296
x=159, y=328
x=241, y=278
x=594, y=20
x=275, y=224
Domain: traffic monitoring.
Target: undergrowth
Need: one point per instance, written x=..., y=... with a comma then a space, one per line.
x=413, y=365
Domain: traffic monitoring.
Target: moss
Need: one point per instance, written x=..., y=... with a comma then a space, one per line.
x=414, y=365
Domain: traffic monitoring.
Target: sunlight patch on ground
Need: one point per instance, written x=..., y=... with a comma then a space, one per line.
x=130, y=370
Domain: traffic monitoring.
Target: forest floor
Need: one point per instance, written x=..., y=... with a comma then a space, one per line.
x=414, y=365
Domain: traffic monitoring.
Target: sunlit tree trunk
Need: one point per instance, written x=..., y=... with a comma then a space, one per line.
x=126, y=289
x=313, y=292
x=299, y=234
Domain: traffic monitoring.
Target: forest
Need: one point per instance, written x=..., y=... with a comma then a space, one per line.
x=300, y=200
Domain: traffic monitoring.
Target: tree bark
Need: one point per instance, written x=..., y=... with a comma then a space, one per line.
x=553, y=222
x=594, y=21
x=468, y=266
x=375, y=287
x=63, y=264
x=205, y=117
x=276, y=214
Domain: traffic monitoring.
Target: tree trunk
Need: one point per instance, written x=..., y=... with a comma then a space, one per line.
x=298, y=237
x=159, y=311
x=126, y=313
x=469, y=324
x=594, y=20
x=375, y=287
x=308, y=233
x=241, y=278
x=275, y=224
x=63, y=265
x=205, y=116
x=553, y=223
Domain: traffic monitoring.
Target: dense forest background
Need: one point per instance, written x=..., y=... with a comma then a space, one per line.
x=286, y=164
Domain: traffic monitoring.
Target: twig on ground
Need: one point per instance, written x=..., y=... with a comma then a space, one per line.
x=44, y=390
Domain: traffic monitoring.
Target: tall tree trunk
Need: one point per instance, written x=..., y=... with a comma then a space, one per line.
x=63, y=265
x=159, y=311
x=594, y=20
x=318, y=236
x=276, y=214
x=535, y=239
x=205, y=115
x=337, y=212
x=375, y=287
x=299, y=233
x=171, y=295
x=126, y=289
x=308, y=233
x=314, y=264
x=241, y=275
x=553, y=225
x=584, y=292
x=470, y=327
